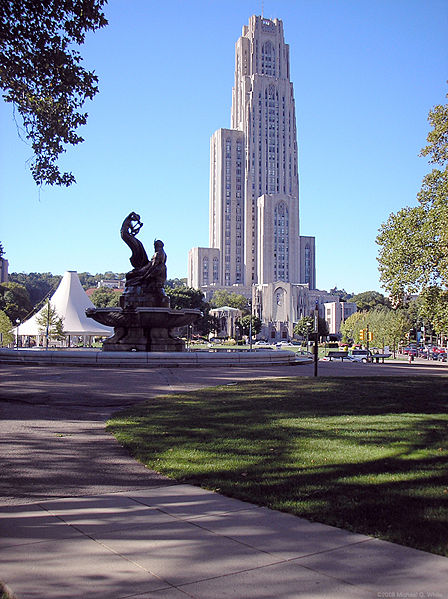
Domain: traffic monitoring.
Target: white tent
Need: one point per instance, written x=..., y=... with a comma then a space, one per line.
x=70, y=302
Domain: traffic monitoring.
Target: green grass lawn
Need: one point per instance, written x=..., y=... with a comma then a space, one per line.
x=365, y=454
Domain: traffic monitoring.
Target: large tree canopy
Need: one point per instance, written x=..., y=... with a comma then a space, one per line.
x=41, y=74
x=413, y=243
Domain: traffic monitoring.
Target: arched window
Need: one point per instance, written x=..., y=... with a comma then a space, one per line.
x=268, y=59
x=205, y=270
x=307, y=263
x=215, y=270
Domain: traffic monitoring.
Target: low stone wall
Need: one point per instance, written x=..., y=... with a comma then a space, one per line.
x=150, y=359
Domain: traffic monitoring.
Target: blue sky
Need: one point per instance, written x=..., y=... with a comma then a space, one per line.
x=365, y=75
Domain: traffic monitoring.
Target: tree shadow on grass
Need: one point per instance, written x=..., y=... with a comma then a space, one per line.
x=370, y=458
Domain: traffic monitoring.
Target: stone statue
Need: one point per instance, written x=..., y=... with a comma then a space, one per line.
x=145, y=283
x=144, y=322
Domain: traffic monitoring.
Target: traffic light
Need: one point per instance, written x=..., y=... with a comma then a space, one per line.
x=370, y=336
x=362, y=335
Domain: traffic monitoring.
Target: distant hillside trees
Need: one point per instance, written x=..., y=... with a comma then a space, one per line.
x=103, y=297
x=14, y=301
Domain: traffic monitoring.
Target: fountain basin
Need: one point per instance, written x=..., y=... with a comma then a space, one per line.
x=144, y=329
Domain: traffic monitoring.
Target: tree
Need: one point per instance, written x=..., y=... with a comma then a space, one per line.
x=38, y=285
x=50, y=323
x=245, y=324
x=103, y=297
x=186, y=297
x=2, y=251
x=433, y=307
x=304, y=327
x=6, y=336
x=42, y=76
x=229, y=298
x=388, y=327
x=368, y=300
x=413, y=253
x=14, y=301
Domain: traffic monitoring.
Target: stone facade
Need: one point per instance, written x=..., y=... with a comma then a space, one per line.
x=336, y=313
x=281, y=305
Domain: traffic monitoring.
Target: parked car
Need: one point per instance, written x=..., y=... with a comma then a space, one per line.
x=439, y=353
x=360, y=355
x=410, y=351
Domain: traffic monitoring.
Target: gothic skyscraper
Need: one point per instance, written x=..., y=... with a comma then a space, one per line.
x=254, y=183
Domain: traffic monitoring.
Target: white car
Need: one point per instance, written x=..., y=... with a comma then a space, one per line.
x=360, y=355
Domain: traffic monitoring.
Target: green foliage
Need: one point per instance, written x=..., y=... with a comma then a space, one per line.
x=229, y=298
x=6, y=337
x=50, y=323
x=187, y=297
x=2, y=251
x=369, y=299
x=433, y=307
x=38, y=285
x=437, y=147
x=245, y=322
x=176, y=283
x=42, y=76
x=14, y=301
x=367, y=457
x=304, y=327
x=389, y=327
x=103, y=297
x=413, y=253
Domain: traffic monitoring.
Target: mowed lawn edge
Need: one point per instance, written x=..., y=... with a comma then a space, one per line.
x=368, y=455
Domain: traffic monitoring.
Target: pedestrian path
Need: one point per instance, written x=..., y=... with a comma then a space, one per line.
x=179, y=541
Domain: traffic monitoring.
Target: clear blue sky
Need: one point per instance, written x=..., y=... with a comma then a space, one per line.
x=365, y=74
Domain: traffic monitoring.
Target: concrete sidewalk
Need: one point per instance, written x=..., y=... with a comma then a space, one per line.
x=178, y=541
x=81, y=519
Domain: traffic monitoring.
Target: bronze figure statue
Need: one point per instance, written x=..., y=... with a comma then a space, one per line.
x=145, y=283
x=144, y=322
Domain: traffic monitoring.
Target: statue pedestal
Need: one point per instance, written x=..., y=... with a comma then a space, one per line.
x=144, y=329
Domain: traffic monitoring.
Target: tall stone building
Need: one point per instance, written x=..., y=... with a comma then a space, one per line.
x=255, y=243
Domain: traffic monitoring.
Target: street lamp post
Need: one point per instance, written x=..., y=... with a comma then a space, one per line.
x=17, y=333
x=316, y=331
x=250, y=326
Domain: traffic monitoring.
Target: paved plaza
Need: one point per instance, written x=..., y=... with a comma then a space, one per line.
x=79, y=518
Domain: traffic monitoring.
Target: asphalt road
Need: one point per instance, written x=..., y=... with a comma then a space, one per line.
x=52, y=436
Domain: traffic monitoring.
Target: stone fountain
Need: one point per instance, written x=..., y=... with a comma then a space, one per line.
x=145, y=321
